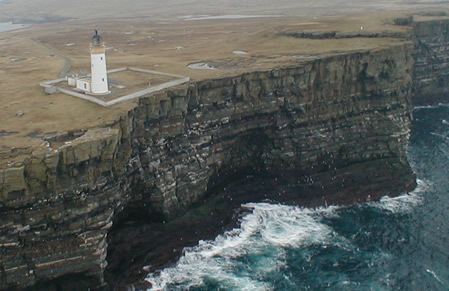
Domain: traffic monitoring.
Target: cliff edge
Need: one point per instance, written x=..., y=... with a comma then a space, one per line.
x=346, y=114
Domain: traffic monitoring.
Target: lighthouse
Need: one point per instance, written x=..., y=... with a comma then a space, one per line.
x=94, y=87
x=99, y=73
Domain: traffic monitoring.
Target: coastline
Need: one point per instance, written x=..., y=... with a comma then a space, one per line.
x=140, y=248
x=12, y=27
x=340, y=141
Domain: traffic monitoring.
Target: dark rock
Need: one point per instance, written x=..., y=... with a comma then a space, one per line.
x=431, y=72
x=406, y=21
x=339, y=124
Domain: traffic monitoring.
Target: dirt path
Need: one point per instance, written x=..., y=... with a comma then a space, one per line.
x=67, y=66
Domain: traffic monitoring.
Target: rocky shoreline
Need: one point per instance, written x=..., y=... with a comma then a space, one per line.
x=138, y=247
x=337, y=129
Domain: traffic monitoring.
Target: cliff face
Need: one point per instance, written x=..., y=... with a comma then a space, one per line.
x=56, y=209
x=348, y=114
x=432, y=62
x=328, y=114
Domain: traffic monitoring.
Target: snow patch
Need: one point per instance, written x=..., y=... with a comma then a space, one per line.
x=201, y=66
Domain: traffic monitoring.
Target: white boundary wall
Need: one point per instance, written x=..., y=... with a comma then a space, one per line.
x=50, y=86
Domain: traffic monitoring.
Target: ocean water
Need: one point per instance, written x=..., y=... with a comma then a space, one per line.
x=397, y=243
x=8, y=26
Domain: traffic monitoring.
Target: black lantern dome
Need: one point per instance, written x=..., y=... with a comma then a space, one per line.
x=97, y=40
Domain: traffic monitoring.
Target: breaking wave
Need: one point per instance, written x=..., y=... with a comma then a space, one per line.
x=268, y=230
x=439, y=105
x=395, y=243
x=266, y=234
x=405, y=202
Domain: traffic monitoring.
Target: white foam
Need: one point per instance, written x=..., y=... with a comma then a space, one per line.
x=440, y=135
x=285, y=226
x=434, y=275
x=445, y=122
x=267, y=226
x=444, y=149
x=404, y=203
x=431, y=106
x=265, y=234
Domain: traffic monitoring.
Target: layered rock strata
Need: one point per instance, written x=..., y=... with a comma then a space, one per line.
x=58, y=205
x=327, y=114
x=347, y=114
x=431, y=74
x=343, y=35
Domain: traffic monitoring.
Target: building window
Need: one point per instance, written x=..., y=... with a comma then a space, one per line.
x=103, y=79
x=101, y=58
x=85, y=86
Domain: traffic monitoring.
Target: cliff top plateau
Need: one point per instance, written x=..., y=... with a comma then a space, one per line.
x=311, y=103
x=214, y=47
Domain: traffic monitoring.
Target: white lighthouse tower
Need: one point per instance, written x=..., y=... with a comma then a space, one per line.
x=99, y=73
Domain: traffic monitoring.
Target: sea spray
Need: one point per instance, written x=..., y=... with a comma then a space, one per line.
x=268, y=230
x=405, y=202
x=397, y=243
x=264, y=236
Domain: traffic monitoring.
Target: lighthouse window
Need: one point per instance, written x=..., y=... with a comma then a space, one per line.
x=103, y=79
x=101, y=58
x=85, y=86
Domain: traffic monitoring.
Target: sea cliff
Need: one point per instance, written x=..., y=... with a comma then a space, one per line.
x=347, y=114
x=431, y=74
